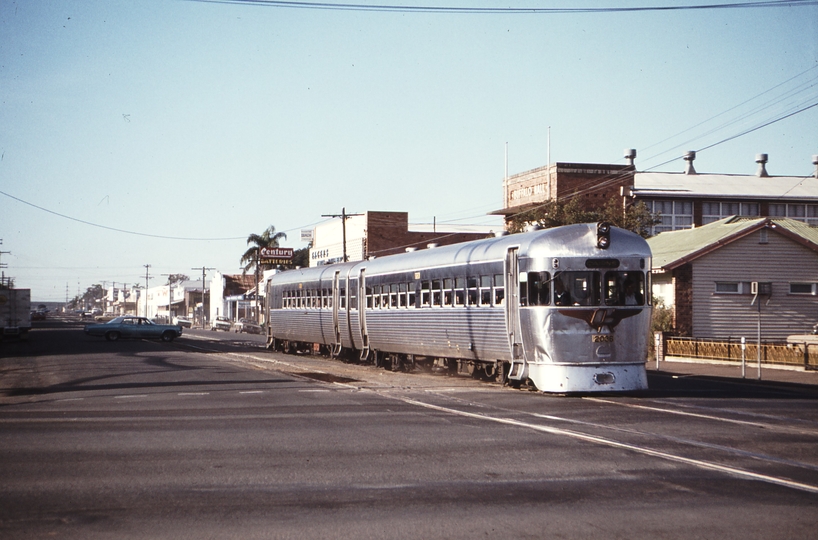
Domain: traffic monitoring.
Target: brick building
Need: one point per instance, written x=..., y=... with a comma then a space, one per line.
x=377, y=234
x=682, y=200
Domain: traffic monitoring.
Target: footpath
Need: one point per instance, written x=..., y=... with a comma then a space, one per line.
x=714, y=368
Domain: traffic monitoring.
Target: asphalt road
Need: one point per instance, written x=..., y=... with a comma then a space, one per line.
x=212, y=437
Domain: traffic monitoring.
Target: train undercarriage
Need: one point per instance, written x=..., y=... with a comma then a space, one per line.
x=496, y=371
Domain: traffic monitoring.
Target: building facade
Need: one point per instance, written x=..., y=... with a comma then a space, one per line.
x=725, y=279
x=681, y=200
x=378, y=234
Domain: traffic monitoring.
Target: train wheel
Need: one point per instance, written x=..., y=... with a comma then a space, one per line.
x=501, y=375
x=396, y=362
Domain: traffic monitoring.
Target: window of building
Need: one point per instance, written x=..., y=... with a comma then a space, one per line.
x=728, y=287
x=808, y=213
x=714, y=211
x=672, y=215
x=803, y=288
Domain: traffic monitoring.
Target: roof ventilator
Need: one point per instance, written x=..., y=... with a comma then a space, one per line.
x=761, y=159
x=689, y=157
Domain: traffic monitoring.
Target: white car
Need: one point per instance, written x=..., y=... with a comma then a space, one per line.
x=184, y=322
x=221, y=323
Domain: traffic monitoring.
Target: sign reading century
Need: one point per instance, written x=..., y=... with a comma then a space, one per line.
x=276, y=253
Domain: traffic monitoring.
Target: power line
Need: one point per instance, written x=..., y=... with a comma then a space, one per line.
x=330, y=6
x=114, y=228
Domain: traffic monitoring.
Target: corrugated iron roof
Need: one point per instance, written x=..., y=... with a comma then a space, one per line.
x=674, y=248
x=732, y=186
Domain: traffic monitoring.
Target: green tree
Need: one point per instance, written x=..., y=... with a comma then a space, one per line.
x=268, y=239
x=178, y=278
x=634, y=218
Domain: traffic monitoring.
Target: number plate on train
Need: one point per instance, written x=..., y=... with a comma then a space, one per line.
x=605, y=338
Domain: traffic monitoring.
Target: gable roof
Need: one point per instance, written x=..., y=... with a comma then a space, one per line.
x=675, y=248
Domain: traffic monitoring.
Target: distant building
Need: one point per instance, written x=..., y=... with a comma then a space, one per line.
x=378, y=234
x=682, y=200
x=713, y=277
x=232, y=296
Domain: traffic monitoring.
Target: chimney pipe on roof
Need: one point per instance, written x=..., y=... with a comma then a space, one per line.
x=689, y=157
x=761, y=159
x=630, y=155
x=815, y=162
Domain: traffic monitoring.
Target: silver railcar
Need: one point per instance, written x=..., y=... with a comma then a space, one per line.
x=567, y=309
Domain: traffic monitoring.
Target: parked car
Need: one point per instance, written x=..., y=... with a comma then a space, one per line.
x=131, y=326
x=184, y=322
x=221, y=323
x=247, y=325
x=105, y=317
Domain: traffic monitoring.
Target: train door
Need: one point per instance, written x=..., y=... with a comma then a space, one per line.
x=518, y=365
x=336, y=326
x=362, y=299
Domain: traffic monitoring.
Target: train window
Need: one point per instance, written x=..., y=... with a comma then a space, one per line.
x=369, y=298
x=436, y=292
x=460, y=291
x=448, y=295
x=376, y=296
x=485, y=290
x=425, y=294
x=353, y=299
x=402, y=294
x=499, y=290
x=539, y=288
x=411, y=294
x=523, y=289
x=393, y=295
x=624, y=288
x=342, y=298
x=329, y=298
x=576, y=288
x=471, y=291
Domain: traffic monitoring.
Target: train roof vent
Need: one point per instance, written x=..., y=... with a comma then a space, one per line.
x=532, y=227
x=411, y=249
x=498, y=234
x=433, y=245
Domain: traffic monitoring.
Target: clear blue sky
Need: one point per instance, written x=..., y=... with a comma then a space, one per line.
x=211, y=120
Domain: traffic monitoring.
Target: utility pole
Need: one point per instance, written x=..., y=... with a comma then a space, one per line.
x=344, y=217
x=147, y=277
x=170, y=293
x=204, y=270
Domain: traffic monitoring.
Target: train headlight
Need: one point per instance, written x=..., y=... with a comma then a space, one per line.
x=603, y=235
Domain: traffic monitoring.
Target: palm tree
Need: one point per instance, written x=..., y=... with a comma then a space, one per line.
x=267, y=239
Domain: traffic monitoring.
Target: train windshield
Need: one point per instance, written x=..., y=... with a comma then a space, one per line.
x=625, y=288
x=577, y=288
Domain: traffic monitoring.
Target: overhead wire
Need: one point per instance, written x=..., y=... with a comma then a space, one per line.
x=536, y=10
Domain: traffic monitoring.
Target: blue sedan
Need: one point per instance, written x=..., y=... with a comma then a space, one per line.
x=131, y=326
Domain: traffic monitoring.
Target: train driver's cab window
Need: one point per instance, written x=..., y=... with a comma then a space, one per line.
x=625, y=288
x=576, y=288
x=539, y=289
